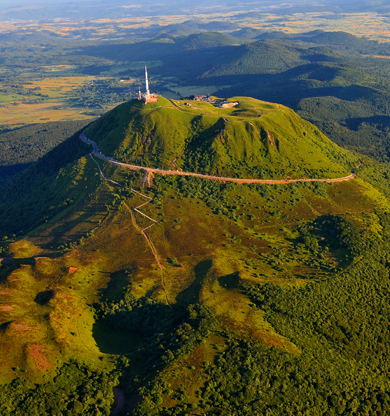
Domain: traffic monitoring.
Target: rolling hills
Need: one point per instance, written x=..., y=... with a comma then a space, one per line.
x=308, y=72
x=240, y=299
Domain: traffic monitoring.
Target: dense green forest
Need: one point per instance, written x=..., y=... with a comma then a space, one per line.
x=23, y=146
x=76, y=390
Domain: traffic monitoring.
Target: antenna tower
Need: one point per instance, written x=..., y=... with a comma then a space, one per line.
x=148, y=97
x=147, y=82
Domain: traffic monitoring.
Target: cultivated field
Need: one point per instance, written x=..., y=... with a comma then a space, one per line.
x=18, y=114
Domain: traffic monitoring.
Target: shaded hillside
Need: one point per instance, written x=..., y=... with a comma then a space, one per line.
x=42, y=190
x=267, y=57
x=22, y=146
x=162, y=46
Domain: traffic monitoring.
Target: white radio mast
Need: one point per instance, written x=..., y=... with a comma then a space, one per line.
x=147, y=82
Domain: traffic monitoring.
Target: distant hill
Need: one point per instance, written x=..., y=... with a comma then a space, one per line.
x=257, y=58
x=247, y=33
x=179, y=29
x=30, y=36
x=165, y=46
x=190, y=27
x=207, y=40
x=338, y=39
x=219, y=25
x=264, y=57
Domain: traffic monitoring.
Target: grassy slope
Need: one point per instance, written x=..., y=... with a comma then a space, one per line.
x=347, y=103
x=255, y=139
x=212, y=240
x=99, y=258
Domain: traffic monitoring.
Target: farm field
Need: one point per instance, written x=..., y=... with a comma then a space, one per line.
x=58, y=86
x=22, y=114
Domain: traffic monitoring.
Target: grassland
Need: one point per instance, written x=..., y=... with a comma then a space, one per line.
x=21, y=109
x=93, y=253
x=84, y=284
x=253, y=140
x=94, y=260
x=58, y=98
x=58, y=86
x=24, y=114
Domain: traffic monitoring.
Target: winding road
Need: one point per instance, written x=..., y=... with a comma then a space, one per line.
x=164, y=172
x=148, y=170
x=119, y=393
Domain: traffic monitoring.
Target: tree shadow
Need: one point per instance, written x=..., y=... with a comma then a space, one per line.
x=43, y=298
x=192, y=293
x=230, y=281
x=112, y=340
x=7, y=172
x=356, y=122
x=4, y=326
x=117, y=284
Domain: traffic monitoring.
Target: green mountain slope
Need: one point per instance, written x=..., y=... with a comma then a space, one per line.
x=257, y=57
x=240, y=299
x=349, y=104
x=208, y=40
x=253, y=140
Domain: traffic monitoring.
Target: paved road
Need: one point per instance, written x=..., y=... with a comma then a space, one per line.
x=164, y=172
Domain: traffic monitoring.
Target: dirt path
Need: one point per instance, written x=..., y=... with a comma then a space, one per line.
x=101, y=156
x=224, y=179
x=142, y=231
x=152, y=248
